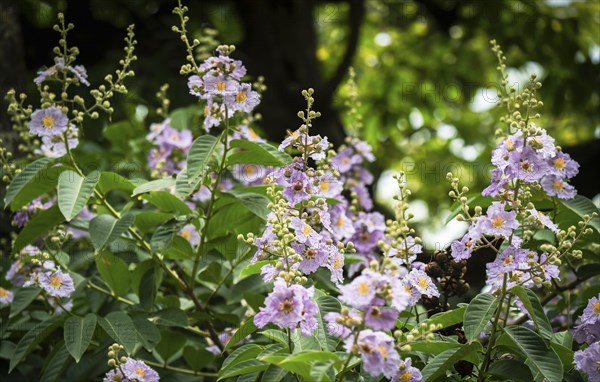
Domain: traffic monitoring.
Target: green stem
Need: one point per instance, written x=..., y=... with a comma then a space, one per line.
x=179, y=369
x=491, y=343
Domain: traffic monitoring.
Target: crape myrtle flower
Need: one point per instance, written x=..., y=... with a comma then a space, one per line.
x=289, y=306
x=463, y=248
x=313, y=256
x=190, y=233
x=48, y=122
x=369, y=229
x=555, y=186
x=586, y=333
x=247, y=133
x=43, y=74
x=563, y=166
x=341, y=324
x=115, y=375
x=381, y=318
x=422, y=283
x=376, y=350
x=499, y=222
x=243, y=98
x=138, y=371
x=55, y=147
x=407, y=373
x=21, y=217
x=56, y=283
x=587, y=361
x=6, y=296
x=591, y=313
x=545, y=220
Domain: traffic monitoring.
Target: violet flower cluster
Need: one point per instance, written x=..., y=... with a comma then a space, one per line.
x=219, y=84
x=379, y=294
x=34, y=268
x=525, y=162
x=587, y=330
x=127, y=369
x=170, y=148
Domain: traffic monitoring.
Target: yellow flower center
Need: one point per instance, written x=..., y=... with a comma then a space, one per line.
x=557, y=185
x=48, y=122
x=186, y=234
x=324, y=184
x=363, y=288
x=206, y=111
x=345, y=160
x=139, y=371
x=220, y=86
x=286, y=306
x=382, y=350
x=509, y=260
x=559, y=163
x=337, y=263
x=3, y=292
x=241, y=96
x=340, y=222
x=497, y=222
x=596, y=307
x=408, y=288
x=252, y=134
x=306, y=230
x=510, y=145
x=55, y=281
x=249, y=170
x=406, y=376
x=423, y=282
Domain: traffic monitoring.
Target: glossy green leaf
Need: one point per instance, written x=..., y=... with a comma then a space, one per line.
x=244, y=331
x=170, y=343
x=148, y=333
x=541, y=359
x=509, y=369
x=167, y=202
x=120, y=327
x=22, y=298
x=478, y=314
x=74, y=191
x=583, y=206
x=197, y=359
x=112, y=181
x=44, y=182
x=24, y=177
x=78, y=333
x=433, y=347
x=256, y=203
x=58, y=360
x=171, y=317
x=154, y=185
x=532, y=303
x=37, y=227
x=104, y=229
x=199, y=156
x=114, y=271
x=257, y=153
x=438, y=366
x=33, y=337
x=449, y=318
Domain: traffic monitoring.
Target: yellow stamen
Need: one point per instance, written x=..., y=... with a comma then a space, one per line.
x=3, y=292
x=324, y=184
x=423, y=282
x=48, y=122
x=286, y=306
x=363, y=288
x=306, y=230
x=220, y=86
x=406, y=376
x=340, y=222
x=596, y=307
x=497, y=222
x=55, y=281
x=139, y=371
x=241, y=96
x=382, y=350
x=558, y=185
x=186, y=234
x=559, y=163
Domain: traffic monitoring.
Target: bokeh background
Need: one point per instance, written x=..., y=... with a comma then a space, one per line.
x=425, y=73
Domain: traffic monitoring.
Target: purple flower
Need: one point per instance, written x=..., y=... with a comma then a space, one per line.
x=190, y=233
x=542, y=142
x=224, y=64
x=57, y=284
x=249, y=174
x=195, y=85
x=345, y=159
x=422, y=283
x=526, y=165
x=401, y=296
x=289, y=306
x=499, y=180
x=591, y=313
x=407, y=373
x=361, y=291
x=297, y=185
x=369, y=229
x=555, y=186
x=84, y=215
x=244, y=132
x=329, y=186
x=54, y=146
x=587, y=361
x=498, y=221
x=335, y=264
x=244, y=99
x=545, y=220
x=48, y=122
x=59, y=63
x=318, y=148
x=304, y=232
x=80, y=74
x=510, y=260
x=139, y=371
x=380, y=318
x=175, y=139
x=363, y=148
x=463, y=248
x=341, y=226
x=586, y=333
x=6, y=296
x=377, y=353
x=115, y=375
x=563, y=166
x=408, y=251
x=312, y=256
x=219, y=85
x=363, y=196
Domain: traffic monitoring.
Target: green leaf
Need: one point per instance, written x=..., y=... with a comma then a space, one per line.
x=244, y=330
x=437, y=366
x=57, y=362
x=180, y=249
x=148, y=289
x=244, y=352
x=433, y=347
x=478, y=314
x=326, y=304
x=104, y=229
x=148, y=220
x=254, y=269
x=199, y=156
x=170, y=343
x=154, y=185
x=163, y=236
x=22, y=298
x=74, y=191
x=114, y=271
x=536, y=312
x=167, y=202
x=119, y=327
x=509, y=369
x=33, y=337
x=148, y=333
x=542, y=360
x=256, y=203
x=24, y=177
x=243, y=367
x=78, y=333
x=301, y=363
x=112, y=181
x=37, y=227
x=257, y=153
x=449, y=318
x=197, y=359
x=583, y=206
x=171, y=317
x=42, y=183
